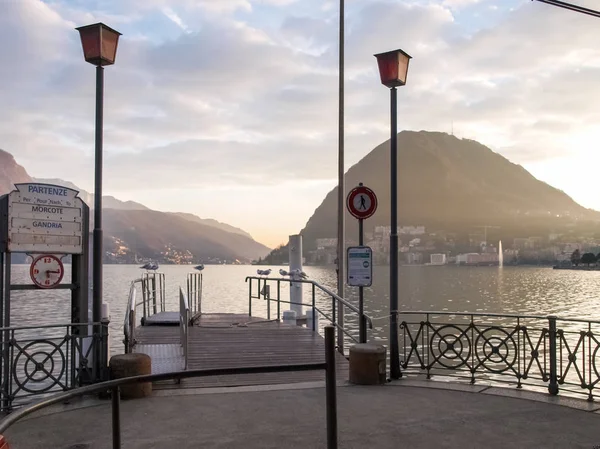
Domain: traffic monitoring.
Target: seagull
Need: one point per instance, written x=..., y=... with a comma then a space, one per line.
x=153, y=267
x=267, y=272
x=282, y=272
x=298, y=273
x=146, y=266
x=199, y=267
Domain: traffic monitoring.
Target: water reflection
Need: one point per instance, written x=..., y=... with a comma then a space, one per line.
x=514, y=290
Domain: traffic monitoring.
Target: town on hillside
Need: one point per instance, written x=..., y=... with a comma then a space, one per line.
x=420, y=246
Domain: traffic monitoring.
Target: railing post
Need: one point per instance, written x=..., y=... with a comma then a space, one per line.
x=250, y=298
x=268, y=298
x=116, y=417
x=154, y=293
x=313, y=311
x=278, y=300
x=553, y=385
x=104, y=349
x=330, y=387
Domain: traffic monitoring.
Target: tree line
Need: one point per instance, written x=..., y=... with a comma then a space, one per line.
x=585, y=258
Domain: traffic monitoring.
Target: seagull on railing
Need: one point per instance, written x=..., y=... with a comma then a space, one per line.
x=282, y=272
x=150, y=266
x=298, y=273
x=199, y=267
x=264, y=272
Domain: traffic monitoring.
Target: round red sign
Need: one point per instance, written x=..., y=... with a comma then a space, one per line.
x=361, y=202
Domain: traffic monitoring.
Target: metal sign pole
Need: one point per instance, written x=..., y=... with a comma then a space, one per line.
x=362, y=331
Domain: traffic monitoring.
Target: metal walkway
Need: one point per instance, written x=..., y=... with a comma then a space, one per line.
x=232, y=340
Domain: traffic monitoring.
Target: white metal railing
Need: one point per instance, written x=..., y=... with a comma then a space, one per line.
x=194, y=292
x=129, y=323
x=184, y=321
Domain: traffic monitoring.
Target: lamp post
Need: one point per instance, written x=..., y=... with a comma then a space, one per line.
x=99, y=48
x=393, y=69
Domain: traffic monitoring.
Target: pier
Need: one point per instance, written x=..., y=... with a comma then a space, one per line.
x=191, y=340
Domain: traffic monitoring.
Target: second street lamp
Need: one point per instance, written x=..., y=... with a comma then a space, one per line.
x=99, y=44
x=393, y=70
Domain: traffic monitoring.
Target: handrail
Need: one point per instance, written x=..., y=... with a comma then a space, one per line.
x=129, y=322
x=114, y=386
x=496, y=315
x=50, y=326
x=322, y=288
x=546, y=350
x=184, y=320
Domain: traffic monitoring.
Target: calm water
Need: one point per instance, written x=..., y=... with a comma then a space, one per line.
x=518, y=290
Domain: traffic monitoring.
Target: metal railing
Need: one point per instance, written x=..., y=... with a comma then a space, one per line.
x=194, y=292
x=542, y=351
x=44, y=359
x=265, y=294
x=153, y=294
x=184, y=321
x=130, y=321
x=114, y=387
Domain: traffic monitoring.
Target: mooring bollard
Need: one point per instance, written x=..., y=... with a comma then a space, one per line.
x=129, y=365
x=367, y=364
x=289, y=317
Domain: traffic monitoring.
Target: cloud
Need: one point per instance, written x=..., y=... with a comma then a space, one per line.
x=244, y=93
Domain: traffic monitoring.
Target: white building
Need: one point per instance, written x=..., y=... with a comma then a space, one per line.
x=438, y=259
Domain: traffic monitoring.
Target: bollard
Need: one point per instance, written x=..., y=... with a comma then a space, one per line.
x=128, y=365
x=289, y=317
x=312, y=319
x=367, y=364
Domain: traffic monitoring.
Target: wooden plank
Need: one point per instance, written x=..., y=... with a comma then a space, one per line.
x=230, y=340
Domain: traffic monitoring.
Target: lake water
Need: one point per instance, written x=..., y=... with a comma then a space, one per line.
x=515, y=290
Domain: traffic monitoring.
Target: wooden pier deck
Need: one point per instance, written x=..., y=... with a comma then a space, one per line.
x=232, y=340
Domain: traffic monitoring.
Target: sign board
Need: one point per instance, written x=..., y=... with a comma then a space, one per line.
x=360, y=266
x=361, y=202
x=44, y=218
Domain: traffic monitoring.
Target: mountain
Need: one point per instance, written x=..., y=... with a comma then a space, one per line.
x=451, y=184
x=132, y=230
x=11, y=173
x=212, y=222
x=154, y=234
x=108, y=202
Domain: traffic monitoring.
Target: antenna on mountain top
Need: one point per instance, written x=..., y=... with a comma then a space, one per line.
x=452, y=127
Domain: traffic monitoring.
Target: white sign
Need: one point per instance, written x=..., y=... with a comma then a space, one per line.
x=44, y=218
x=360, y=266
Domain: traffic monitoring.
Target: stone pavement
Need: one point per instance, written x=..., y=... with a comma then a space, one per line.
x=398, y=415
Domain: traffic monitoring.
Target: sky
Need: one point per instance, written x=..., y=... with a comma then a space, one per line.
x=228, y=108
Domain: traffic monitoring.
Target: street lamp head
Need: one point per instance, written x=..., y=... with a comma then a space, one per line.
x=99, y=43
x=393, y=67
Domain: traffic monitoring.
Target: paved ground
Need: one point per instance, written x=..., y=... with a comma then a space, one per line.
x=391, y=416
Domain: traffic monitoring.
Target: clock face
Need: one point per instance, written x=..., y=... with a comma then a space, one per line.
x=46, y=271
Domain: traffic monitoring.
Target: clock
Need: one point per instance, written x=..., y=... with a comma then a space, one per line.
x=46, y=271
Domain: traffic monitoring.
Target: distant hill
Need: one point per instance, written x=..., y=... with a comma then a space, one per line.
x=108, y=202
x=133, y=231
x=11, y=173
x=153, y=232
x=212, y=222
x=451, y=184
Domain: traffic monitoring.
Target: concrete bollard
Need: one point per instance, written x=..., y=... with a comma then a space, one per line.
x=312, y=315
x=128, y=365
x=289, y=317
x=367, y=364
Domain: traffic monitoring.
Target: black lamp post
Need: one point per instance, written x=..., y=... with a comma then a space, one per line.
x=99, y=48
x=393, y=69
